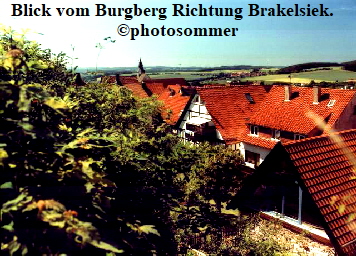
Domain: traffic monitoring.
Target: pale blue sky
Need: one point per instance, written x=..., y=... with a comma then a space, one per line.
x=259, y=41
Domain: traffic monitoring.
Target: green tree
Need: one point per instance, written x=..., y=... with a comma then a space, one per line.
x=25, y=59
x=92, y=170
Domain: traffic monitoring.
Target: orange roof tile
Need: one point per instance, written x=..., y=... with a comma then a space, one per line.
x=291, y=115
x=230, y=108
x=137, y=90
x=108, y=79
x=259, y=141
x=156, y=88
x=329, y=176
x=173, y=101
x=128, y=79
x=123, y=79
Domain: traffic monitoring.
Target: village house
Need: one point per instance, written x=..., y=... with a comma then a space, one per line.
x=291, y=113
x=218, y=114
x=173, y=92
x=309, y=185
x=252, y=119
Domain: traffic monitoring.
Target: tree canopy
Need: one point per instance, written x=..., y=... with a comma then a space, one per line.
x=93, y=170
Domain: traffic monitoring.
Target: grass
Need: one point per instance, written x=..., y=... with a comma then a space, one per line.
x=333, y=75
x=336, y=74
x=193, y=75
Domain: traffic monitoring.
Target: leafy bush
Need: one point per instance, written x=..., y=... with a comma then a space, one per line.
x=92, y=170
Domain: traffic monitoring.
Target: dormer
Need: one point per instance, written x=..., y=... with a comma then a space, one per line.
x=276, y=134
x=171, y=92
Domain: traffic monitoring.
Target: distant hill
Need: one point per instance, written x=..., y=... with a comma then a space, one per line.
x=350, y=65
x=155, y=69
x=299, y=67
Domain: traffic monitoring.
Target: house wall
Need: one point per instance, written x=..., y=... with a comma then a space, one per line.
x=347, y=119
x=196, y=109
x=263, y=152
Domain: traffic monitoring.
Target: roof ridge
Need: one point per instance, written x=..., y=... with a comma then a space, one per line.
x=288, y=143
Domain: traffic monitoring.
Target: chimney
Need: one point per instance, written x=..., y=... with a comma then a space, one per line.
x=316, y=94
x=118, y=81
x=287, y=92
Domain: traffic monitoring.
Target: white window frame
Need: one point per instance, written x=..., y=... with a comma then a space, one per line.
x=254, y=130
x=299, y=136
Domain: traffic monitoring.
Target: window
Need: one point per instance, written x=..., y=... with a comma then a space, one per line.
x=264, y=131
x=192, y=127
x=197, y=99
x=249, y=98
x=331, y=103
x=287, y=135
x=299, y=137
x=276, y=134
x=254, y=129
x=252, y=157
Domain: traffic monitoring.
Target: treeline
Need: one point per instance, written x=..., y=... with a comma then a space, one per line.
x=300, y=67
x=350, y=65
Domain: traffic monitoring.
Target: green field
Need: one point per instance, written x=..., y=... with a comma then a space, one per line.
x=195, y=75
x=333, y=75
x=305, y=77
x=187, y=75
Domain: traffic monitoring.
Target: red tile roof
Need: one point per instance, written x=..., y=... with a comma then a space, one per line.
x=174, y=102
x=108, y=79
x=259, y=141
x=156, y=88
x=291, y=115
x=123, y=79
x=128, y=79
x=229, y=107
x=329, y=176
x=137, y=90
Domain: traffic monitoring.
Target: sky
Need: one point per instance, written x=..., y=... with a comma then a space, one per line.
x=259, y=40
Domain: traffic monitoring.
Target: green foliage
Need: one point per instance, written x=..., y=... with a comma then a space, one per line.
x=25, y=59
x=350, y=65
x=92, y=170
x=299, y=67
